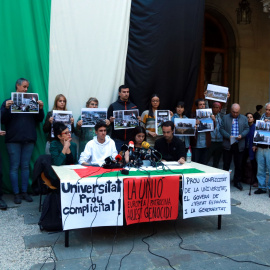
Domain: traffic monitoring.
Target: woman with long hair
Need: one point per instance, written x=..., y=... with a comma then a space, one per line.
x=138, y=137
x=60, y=103
x=148, y=119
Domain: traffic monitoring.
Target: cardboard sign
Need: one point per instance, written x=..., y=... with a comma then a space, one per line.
x=92, y=202
x=149, y=199
x=206, y=194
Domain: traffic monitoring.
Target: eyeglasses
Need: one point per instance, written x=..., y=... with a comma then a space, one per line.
x=66, y=133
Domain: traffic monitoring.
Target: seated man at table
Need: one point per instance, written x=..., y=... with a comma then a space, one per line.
x=101, y=147
x=170, y=147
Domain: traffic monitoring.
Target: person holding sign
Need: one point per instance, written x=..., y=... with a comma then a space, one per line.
x=234, y=128
x=180, y=109
x=263, y=158
x=170, y=147
x=101, y=147
x=215, y=149
x=148, y=119
x=86, y=134
x=20, y=141
x=202, y=140
x=121, y=136
x=60, y=104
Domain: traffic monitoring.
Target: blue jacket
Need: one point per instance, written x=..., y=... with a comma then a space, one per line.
x=20, y=127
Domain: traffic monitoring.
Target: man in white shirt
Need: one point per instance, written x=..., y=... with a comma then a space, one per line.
x=101, y=147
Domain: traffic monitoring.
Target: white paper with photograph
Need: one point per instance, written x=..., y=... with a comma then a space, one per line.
x=206, y=122
x=90, y=116
x=24, y=102
x=262, y=132
x=206, y=194
x=161, y=116
x=217, y=93
x=61, y=116
x=184, y=127
x=125, y=119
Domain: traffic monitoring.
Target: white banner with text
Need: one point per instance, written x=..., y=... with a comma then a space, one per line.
x=206, y=194
x=92, y=202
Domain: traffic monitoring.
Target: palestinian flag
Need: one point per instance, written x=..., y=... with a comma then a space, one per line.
x=87, y=48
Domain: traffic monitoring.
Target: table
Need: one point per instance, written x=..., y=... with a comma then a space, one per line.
x=67, y=174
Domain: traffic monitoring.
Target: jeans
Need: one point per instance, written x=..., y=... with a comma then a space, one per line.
x=263, y=160
x=19, y=156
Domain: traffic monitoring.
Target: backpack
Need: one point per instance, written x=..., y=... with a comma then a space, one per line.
x=50, y=219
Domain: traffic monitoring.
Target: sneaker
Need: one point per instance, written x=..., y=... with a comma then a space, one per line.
x=17, y=199
x=259, y=191
x=27, y=197
x=3, y=205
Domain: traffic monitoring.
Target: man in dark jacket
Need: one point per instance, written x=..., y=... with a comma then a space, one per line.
x=234, y=128
x=123, y=103
x=170, y=147
x=20, y=140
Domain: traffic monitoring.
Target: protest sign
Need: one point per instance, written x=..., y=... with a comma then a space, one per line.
x=92, y=203
x=149, y=199
x=206, y=194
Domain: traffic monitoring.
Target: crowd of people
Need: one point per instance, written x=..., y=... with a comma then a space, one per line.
x=232, y=136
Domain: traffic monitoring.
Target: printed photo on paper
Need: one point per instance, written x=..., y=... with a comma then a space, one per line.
x=262, y=132
x=206, y=123
x=24, y=102
x=125, y=119
x=217, y=93
x=161, y=116
x=90, y=116
x=61, y=116
x=184, y=127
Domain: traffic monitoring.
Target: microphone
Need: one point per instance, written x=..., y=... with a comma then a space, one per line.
x=131, y=149
x=108, y=160
x=118, y=158
x=147, y=146
x=124, y=148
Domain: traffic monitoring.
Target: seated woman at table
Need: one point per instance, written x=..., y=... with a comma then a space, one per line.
x=60, y=103
x=63, y=150
x=87, y=134
x=138, y=136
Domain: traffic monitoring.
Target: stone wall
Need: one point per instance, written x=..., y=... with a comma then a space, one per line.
x=252, y=61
